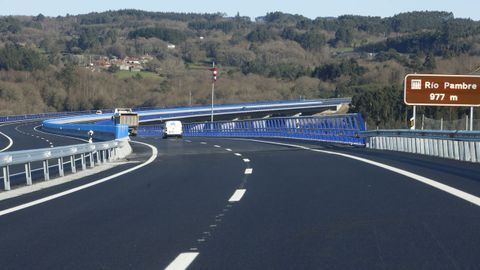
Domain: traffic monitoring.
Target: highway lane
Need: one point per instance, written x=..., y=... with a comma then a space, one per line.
x=301, y=210
x=25, y=136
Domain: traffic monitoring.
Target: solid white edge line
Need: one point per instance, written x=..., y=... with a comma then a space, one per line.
x=451, y=190
x=91, y=184
x=237, y=195
x=248, y=171
x=10, y=141
x=182, y=261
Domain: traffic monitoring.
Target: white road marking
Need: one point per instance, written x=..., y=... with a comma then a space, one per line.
x=203, y=143
x=237, y=196
x=451, y=190
x=188, y=141
x=248, y=171
x=10, y=142
x=246, y=160
x=229, y=150
x=238, y=154
x=94, y=183
x=182, y=261
x=217, y=146
x=58, y=135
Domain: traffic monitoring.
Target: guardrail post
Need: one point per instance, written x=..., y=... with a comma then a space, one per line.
x=46, y=170
x=115, y=153
x=61, y=171
x=104, y=158
x=28, y=173
x=6, y=178
x=72, y=164
x=99, y=161
x=92, y=160
x=84, y=165
x=110, y=154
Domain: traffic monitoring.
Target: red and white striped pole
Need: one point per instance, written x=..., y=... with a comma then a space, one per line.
x=213, y=89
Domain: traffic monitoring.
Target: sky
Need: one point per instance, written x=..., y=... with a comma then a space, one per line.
x=251, y=8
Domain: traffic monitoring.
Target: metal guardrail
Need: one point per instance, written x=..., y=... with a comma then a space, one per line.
x=432, y=134
x=335, y=128
x=458, y=145
x=104, y=151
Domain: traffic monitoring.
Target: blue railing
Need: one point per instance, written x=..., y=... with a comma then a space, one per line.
x=102, y=132
x=336, y=128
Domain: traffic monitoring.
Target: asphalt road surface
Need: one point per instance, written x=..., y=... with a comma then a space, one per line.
x=235, y=204
x=28, y=135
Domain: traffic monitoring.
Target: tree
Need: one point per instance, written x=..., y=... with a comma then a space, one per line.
x=429, y=63
x=17, y=57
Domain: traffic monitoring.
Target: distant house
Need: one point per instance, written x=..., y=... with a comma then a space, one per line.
x=124, y=67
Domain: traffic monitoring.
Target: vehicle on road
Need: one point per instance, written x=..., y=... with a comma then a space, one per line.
x=173, y=128
x=126, y=116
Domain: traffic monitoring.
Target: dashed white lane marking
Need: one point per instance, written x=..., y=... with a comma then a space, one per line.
x=57, y=135
x=10, y=142
x=203, y=143
x=246, y=160
x=238, y=154
x=182, y=261
x=188, y=141
x=451, y=190
x=217, y=146
x=237, y=196
x=94, y=183
x=248, y=171
x=228, y=149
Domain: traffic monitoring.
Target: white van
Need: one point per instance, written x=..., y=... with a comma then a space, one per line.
x=172, y=128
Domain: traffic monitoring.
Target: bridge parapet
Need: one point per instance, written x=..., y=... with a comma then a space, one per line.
x=458, y=145
x=334, y=128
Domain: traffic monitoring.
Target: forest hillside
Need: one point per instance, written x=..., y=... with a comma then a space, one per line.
x=138, y=58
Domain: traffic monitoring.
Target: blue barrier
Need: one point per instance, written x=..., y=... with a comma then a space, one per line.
x=102, y=132
x=336, y=128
